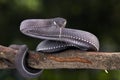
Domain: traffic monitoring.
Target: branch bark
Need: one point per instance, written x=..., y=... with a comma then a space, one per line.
x=73, y=59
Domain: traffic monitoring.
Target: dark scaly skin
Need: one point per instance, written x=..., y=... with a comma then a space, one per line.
x=25, y=71
x=57, y=38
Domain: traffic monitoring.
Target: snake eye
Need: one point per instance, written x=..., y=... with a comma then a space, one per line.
x=54, y=23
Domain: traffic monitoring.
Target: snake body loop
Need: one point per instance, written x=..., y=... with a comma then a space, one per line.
x=56, y=36
x=25, y=71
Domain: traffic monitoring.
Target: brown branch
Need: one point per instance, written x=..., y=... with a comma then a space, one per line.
x=74, y=59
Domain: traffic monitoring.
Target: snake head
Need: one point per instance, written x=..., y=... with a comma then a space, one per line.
x=40, y=27
x=32, y=23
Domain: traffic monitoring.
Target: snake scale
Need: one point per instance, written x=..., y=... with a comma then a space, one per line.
x=56, y=38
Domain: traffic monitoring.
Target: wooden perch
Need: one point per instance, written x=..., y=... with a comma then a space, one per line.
x=73, y=59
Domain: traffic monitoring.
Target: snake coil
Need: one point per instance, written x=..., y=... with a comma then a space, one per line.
x=57, y=38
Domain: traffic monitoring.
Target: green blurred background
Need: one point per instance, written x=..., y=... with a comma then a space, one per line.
x=100, y=17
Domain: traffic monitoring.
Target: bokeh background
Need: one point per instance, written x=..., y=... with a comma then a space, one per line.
x=100, y=17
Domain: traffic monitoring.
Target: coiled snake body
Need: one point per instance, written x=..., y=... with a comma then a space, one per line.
x=57, y=38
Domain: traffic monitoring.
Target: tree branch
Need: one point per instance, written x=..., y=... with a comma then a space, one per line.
x=74, y=59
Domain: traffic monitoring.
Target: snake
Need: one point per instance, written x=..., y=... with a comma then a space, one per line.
x=55, y=38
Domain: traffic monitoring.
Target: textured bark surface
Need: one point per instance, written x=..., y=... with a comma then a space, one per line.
x=72, y=59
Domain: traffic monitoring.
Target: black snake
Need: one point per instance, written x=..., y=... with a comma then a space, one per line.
x=57, y=38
